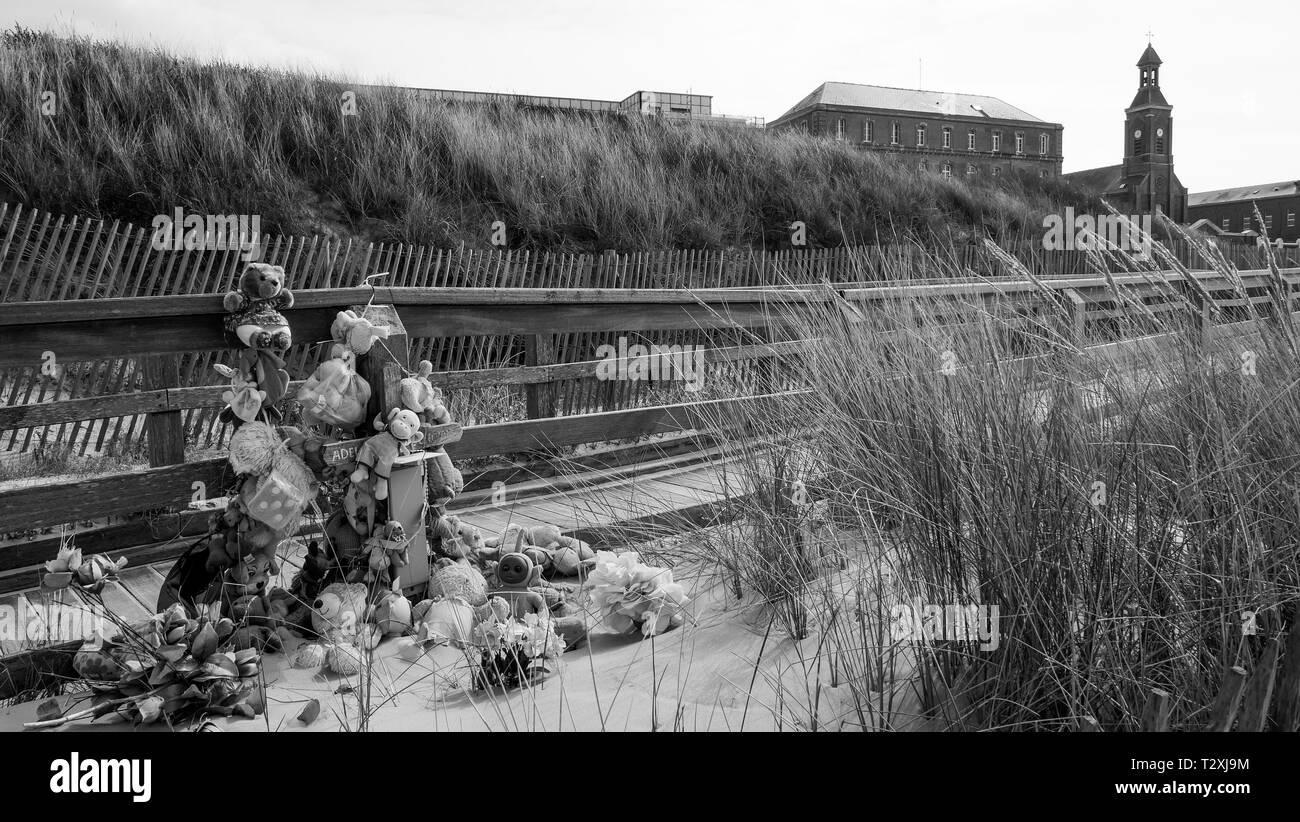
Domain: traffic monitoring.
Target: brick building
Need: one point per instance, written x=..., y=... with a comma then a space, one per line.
x=1145, y=181
x=1231, y=210
x=947, y=133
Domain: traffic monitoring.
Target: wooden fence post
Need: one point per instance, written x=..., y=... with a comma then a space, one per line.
x=1224, y=711
x=539, y=349
x=385, y=364
x=164, y=430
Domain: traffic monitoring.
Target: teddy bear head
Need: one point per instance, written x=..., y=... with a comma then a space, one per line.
x=357, y=332
x=262, y=281
x=393, y=531
x=341, y=352
x=402, y=424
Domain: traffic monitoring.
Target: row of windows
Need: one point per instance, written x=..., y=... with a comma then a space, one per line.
x=895, y=136
x=1248, y=222
x=971, y=169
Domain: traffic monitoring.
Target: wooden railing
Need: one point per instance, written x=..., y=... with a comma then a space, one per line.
x=167, y=326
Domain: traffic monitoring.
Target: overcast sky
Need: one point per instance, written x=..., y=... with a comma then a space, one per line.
x=1229, y=70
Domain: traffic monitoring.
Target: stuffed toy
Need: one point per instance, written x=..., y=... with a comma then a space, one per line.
x=309, y=449
x=457, y=579
x=398, y=433
x=444, y=480
x=564, y=554
x=359, y=508
x=448, y=619
x=305, y=588
x=386, y=551
x=254, y=320
x=335, y=395
x=338, y=611
x=419, y=395
x=457, y=539
x=356, y=332
x=392, y=614
x=253, y=447
x=518, y=574
x=243, y=400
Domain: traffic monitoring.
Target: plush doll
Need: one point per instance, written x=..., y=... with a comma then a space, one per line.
x=387, y=551
x=564, y=554
x=456, y=539
x=419, y=395
x=243, y=400
x=444, y=481
x=254, y=318
x=338, y=611
x=308, y=448
x=305, y=588
x=392, y=614
x=518, y=574
x=447, y=619
x=397, y=435
x=457, y=579
x=335, y=395
x=356, y=332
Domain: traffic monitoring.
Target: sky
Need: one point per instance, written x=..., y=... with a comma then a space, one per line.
x=1229, y=71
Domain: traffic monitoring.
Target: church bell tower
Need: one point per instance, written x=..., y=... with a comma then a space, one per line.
x=1148, y=145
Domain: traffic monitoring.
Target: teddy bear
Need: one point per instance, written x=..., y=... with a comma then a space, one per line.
x=335, y=394
x=357, y=332
x=305, y=587
x=398, y=433
x=419, y=395
x=254, y=317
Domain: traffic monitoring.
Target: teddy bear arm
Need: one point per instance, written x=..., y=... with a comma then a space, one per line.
x=234, y=301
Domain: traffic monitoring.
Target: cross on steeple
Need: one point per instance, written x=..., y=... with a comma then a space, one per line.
x=1149, y=35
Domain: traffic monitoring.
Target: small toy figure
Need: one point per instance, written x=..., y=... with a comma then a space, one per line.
x=396, y=437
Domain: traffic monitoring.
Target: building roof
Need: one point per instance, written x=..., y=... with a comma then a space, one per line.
x=1097, y=180
x=857, y=95
x=1287, y=188
x=1149, y=57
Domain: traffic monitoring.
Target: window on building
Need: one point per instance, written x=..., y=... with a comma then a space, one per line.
x=920, y=136
x=1290, y=219
x=997, y=141
x=1043, y=174
x=1160, y=143
x=1245, y=223
x=1268, y=221
x=868, y=130
x=1137, y=142
x=839, y=129
x=1225, y=224
x=947, y=169
x=947, y=137
x=997, y=171
x=970, y=140
x=1020, y=142
x=1042, y=143
x=894, y=134
x=970, y=169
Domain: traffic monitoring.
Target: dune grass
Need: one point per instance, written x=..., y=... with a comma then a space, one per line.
x=139, y=131
x=1121, y=548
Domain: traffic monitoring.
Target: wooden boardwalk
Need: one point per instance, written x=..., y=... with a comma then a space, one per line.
x=635, y=503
